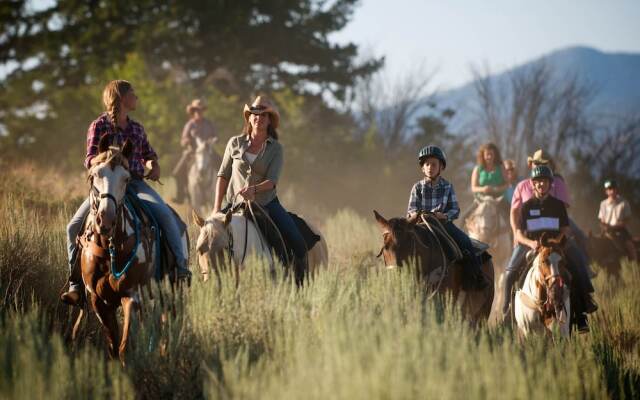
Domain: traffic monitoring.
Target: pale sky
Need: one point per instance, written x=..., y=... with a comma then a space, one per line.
x=450, y=35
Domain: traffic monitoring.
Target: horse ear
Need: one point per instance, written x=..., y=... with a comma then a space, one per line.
x=412, y=218
x=227, y=218
x=544, y=238
x=127, y=149
x=197, y=219
x=105, y=142
x=384, y=224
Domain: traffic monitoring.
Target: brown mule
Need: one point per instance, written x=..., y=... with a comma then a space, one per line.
x=404, y=240
x=608, y=252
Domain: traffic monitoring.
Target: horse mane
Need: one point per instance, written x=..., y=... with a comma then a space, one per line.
x=113, y=156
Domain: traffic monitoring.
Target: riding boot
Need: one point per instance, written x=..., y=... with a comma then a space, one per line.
x=183, y=273
x=590, y=305
x=509, y=279
x=300, y=266
x=73, y=296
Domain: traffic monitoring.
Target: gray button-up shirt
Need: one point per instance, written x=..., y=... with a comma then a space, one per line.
x=240, y=173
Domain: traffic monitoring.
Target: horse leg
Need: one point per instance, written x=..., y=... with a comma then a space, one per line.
x=127, y=304
x=107, y=316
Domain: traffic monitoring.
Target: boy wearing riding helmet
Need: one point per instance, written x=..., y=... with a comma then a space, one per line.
x=436, y=195
x=541, y=213
x=613, y=215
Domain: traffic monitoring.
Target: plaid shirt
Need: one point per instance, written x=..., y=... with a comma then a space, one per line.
x=142, y=150
x=440, y=197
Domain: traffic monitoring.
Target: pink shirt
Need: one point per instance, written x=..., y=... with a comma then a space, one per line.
x=524, y=191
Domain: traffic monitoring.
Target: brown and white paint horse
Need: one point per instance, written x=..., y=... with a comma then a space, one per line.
x=544, y=302
x=111, y=223
x=404, y=240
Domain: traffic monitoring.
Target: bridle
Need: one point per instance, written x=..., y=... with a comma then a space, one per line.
x=418, y=242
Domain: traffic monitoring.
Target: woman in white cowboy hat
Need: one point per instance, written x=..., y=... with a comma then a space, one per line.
x=197, y=127
x=251, y=168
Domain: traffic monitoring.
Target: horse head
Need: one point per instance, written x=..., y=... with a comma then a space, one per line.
x=483, y=223
x=399, y=240
x=214, y=238
x=548, y=263
x=109, y=176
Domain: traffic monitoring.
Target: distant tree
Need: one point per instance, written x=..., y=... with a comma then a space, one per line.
x=389, y=106
x=535, y=108
x=58, y=58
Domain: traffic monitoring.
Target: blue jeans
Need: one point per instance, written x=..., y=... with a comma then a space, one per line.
x=517, y=260
x=73, y=229
x=287, y=227
x=161, y=212
x=463, y=241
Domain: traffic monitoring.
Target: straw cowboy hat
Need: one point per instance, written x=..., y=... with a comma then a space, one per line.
x=196, y=104
x=262, y=105
x=539, y=157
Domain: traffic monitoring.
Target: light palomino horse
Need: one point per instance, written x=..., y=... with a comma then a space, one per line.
x=235, y=237
x=118, y=250
x=543, y=304
x=487, y=224
x=405, y=240
x=202, y=174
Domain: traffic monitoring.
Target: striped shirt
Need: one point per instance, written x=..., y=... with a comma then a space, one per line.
x=439, y=197
x=142, y=150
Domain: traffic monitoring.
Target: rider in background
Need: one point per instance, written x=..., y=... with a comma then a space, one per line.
x=435, y=195
x=197, y=127
x=613, y=215
x=511, y=178
x=119, y=99
x=541, y=213
x=488, y=176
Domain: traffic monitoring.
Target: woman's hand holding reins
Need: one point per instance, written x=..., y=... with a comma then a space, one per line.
x=154, y=170
x=248, y=193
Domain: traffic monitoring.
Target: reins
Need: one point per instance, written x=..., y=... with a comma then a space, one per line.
x=445, y=266
x=111, y=247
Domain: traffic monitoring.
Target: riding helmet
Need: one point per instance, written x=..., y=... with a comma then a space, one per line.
x=610, y=184
x=432, y=151
x=541, y=171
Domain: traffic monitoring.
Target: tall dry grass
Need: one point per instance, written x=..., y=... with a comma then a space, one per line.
x=356, y=331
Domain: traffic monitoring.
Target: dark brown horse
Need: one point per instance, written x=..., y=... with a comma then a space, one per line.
x=118, y=247
x=405, y=240
x=608, y=252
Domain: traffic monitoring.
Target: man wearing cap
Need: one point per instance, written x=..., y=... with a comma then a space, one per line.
x=539, y=214
x=613, y=215
x=197, y=127
x=576, y=240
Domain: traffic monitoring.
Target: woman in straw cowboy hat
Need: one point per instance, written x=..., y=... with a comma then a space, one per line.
x=198, y=127
x=251, y=168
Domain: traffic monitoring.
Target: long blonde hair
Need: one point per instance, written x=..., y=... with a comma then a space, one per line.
x=112, y=99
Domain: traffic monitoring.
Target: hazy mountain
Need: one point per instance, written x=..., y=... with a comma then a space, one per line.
x=614, y=77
